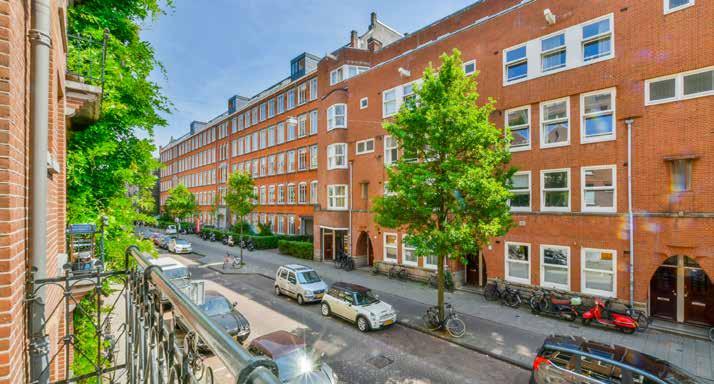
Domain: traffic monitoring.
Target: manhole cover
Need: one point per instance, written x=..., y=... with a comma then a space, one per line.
x=380, y=361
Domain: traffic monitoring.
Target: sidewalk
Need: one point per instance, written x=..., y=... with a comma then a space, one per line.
x=510, y=334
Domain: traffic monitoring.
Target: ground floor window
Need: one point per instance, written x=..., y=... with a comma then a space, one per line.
x=598, y=272
x=555, y=266
x=390, y=247
x=518, y=262
x=291, y=225
x=431, y=262
x=281, y=224
x=409, y=256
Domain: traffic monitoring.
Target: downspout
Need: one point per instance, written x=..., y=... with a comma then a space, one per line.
x=630, y=215
x=40, y=40
x=351, y=192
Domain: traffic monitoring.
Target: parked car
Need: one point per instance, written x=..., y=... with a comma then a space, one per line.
x=224, y=313
x=171, y=230
x=299, y=282
x=164, y=241
x=179, y=246
x=296, y=362
x=174, y=271
x=569, y=359
x=358, y=305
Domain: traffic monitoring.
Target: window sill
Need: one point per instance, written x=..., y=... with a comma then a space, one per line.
x=555, y=145
x=520, y=149
x=597, y=139
x=559, y=210
x=517, y=280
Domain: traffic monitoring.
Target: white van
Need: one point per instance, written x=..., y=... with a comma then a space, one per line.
x=299, y=282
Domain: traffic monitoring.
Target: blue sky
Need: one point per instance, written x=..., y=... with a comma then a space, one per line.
x=213, y=49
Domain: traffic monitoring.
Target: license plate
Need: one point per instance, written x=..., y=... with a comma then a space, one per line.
x=389, y=322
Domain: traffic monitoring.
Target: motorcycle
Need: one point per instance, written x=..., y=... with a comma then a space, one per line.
x=550, y=305
x=247, y=244
x=228, y=240
x=609, y=319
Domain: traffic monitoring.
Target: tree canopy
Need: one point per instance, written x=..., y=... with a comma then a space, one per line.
x=181, y=203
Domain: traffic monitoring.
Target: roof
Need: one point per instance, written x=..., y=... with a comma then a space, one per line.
x=350, y=287
x=297, y=267
x=278, y=343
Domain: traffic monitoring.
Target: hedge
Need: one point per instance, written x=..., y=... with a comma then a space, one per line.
x=299, y=249
x=260, y=242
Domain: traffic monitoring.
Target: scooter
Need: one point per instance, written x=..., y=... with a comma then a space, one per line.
x=228, y=240
x=212, y=237
x=247, y=244
x=550, y=305
x=609, y=319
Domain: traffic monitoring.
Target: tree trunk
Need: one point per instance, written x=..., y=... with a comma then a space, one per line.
x=440, y=287
x=241, y=239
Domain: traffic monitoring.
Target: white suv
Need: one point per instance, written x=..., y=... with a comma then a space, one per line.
x=299, y=282
x=358, y=304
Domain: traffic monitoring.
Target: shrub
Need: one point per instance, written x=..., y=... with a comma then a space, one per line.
x=264, y=230
x=247, y=228
x=302, y=238
x=299, y=249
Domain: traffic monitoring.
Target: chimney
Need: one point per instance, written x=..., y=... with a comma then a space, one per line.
x=373, y=20
x=374, y=45
x=353, y=39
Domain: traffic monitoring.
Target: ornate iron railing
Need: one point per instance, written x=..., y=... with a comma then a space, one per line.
x=136, y=340
x=86, y=58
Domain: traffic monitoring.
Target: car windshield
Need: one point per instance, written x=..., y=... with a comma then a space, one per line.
x=182, y=242
x=176, y=273
x=308, y=277
x=365, y=298
x=215, y=306
x=296, y=363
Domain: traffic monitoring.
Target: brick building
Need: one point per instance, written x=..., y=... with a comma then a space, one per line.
x=604, y=102
x=69, y=101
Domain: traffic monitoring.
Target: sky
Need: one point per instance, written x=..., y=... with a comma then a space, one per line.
x=213, y=49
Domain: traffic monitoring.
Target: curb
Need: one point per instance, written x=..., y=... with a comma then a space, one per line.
x=471, y=347
x=222, y=272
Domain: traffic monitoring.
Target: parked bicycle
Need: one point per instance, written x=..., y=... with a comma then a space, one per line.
x=452, y=324
x=343, y=261
x=247, y=243
x=232, y=261
x=506, y=295
x=398, y=272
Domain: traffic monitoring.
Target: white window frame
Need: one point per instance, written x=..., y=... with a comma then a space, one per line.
x=584, y=269
x=584, y=139
x=395, y=247
x=314, y=122
x=364, y=143
x=552, y=51
x=606, y=35
x=543, y=191
x=583, y=189
x=331, y=194
x=530, y=127
x=313, y=192
x=302, y=193
x=507, y=64
x=466, y=64
x=332, y=156
x=364, y=103
x=668, y=9
x=406, y=249
x=542, y=105
x=545, y=284
x=332, y=117
x=530, y=193
x=291, y=195
x=394, y=100
x=302, y=125
x=314, y=156
x=678, y=87
x=291, y=165
x=388, y=161
x=507, y=276
x=280, y=194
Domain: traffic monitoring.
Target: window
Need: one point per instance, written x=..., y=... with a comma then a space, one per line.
x=262, y=112
x=313, y=192
x=271, y=194
x=255, y=141
x=337, y=197
x=470, y=67
x=271, y=165
x=553, y=52
x=680, y=86
x=597, y=38
x=281, y=224
x=554, y=119
x=336, y=75
x=262, y=195
x=555, y=267
x=302, y=159
x=390, y=248
x=271, y=136
x=676, y=5
x=599, y=189
x=302, y=93
x=281, y=164
x=263, y=166
x=313, y=156
x=291, y=225
x=281, y=194
x=518, y=262
x=302, y=193
x=254, y=116
x=280, y=134
x=555, y=190
x=271, y=108
x=598, y=272
x=345, y=72
x=391, y=150
x=291, y=193
x=521, y=190
x=364, y=146
x=409, y=256
x=302, y=125
x=255, y=168
x=313, y=88
x=291, y=161
x=363, y=103
x=337, y=156
x=291, y=99
x=263, y=139
x=313, y=122
x=598, y=116
x=518, y=122
x=389, y=102
x=291, y=131
x=337, y=116
x=281, y=103
x=247, y=118
x=246, y=147
x=516, y=64
x=681, y=175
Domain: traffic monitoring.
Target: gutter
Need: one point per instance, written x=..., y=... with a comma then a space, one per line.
x=630, y=214
x=351, y=192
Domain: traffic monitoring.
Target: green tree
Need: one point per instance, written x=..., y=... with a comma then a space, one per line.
x=239, y=197
x=449, y=188
x=181, y=203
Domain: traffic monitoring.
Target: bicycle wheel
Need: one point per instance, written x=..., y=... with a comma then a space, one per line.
x=643, y=322
x=402, y=274
x=455, y=326
x=433, y=282
x=431, y=320
x=392, y=273
x=512, y=299
x=348, y=264
x=490, y=293
x=534, y=303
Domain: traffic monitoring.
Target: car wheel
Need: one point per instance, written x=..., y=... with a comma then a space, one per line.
x=277, y=291
x=325, y=309
x=362, y=324
x=300, y=300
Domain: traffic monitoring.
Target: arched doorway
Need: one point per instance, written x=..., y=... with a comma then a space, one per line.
x=364, y=248
x=681, y=291
x=475, y=270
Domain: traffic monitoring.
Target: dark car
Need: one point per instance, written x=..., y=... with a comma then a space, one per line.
x=225, y=315
x=569, y=359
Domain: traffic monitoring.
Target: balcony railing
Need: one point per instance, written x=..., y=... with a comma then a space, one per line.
x=136, y=338
x=86, y=59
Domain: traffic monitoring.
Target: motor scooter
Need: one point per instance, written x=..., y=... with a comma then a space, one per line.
x=609, y=319
x=212, y=237
x=228, y=240
x=550, y=305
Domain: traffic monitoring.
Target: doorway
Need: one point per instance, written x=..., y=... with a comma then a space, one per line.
x=476, y=270
x=364, y=248
x=333, y=242
x=681, y=291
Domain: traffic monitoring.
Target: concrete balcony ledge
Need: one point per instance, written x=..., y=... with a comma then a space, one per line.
x=83, y=101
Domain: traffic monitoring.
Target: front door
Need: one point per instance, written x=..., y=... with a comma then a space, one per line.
x=698, y=294
x=328, y=246
x=681, y=291
x=472, y=270
x=663, y=291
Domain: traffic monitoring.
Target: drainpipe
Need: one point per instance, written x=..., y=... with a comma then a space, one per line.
x=630, y=216
x=40, y=40
x=351, y=192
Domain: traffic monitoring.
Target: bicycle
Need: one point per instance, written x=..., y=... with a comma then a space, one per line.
x=347, y=263
x=247, y=244
x=397, y=272
x=508, y=296
x=452, y=324
x=233, y=261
